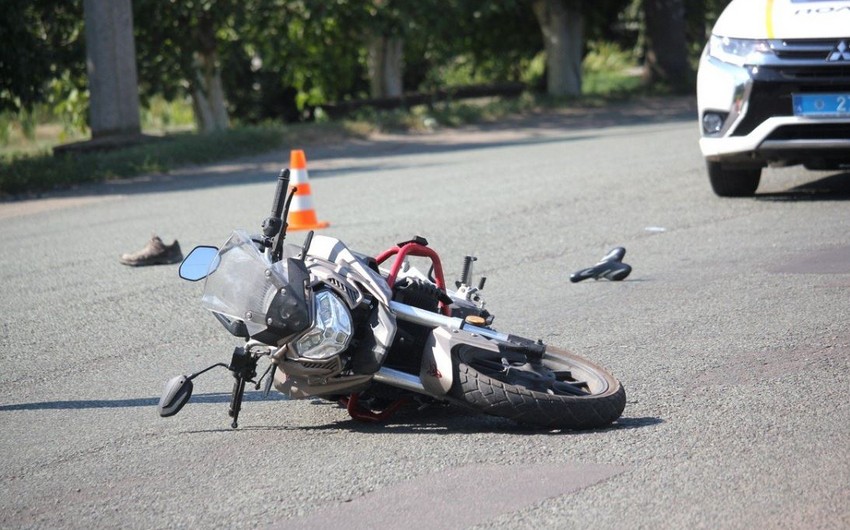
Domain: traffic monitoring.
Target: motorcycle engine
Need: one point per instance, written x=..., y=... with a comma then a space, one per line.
x=410, y=338
x=418, y=293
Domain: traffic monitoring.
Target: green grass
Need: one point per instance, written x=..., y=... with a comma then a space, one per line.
x=610, y=71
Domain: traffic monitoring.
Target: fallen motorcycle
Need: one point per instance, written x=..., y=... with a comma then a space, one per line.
x=334, y=324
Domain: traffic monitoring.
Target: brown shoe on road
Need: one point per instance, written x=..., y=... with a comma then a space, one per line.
x=155, y=253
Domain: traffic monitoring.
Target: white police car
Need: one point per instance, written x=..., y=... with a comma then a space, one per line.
x=773, y=88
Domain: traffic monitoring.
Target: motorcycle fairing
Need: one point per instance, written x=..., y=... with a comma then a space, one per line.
x=436, y=371
x=332, y=264
x=370, y=355
x=333, y=250
x=270, y=299
x=299, y=387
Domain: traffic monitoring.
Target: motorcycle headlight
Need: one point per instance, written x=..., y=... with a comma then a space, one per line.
x=331, y=330
x=739, y=51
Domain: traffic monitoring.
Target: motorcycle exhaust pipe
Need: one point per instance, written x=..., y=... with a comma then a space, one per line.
x=400, y=379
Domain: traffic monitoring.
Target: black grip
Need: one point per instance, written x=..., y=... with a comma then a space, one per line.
x=280, y=193
x=466, y=275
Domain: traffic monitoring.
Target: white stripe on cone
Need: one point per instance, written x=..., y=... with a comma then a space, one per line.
x=297, y=176
x=301, y=203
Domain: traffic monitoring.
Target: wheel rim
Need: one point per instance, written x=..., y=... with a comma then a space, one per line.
x=557, y=373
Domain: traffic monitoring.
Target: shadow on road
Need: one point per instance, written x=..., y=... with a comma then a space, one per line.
x=454, y=422
x=546, y=126
x=133, y=402
x=830, y=188
x=264, y=170
x=445, y=419
x=439, y=419
x=435, y=419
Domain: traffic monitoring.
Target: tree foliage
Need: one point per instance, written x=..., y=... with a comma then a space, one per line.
x=276, y=56
x=41, y=42
x=666, y=50
x=280, y=59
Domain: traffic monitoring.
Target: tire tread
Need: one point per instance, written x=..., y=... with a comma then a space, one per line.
x=497, y=398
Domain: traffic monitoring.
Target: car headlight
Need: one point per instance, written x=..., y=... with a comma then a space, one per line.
x=739, y=51
x=331, y=330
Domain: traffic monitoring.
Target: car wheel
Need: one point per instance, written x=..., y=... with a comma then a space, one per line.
x=733, y=182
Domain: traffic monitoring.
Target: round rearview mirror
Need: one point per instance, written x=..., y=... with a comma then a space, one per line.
x=200, y=263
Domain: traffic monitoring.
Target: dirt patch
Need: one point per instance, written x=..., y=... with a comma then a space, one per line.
x=825, y=261
x=462, y=497
x=751, y=369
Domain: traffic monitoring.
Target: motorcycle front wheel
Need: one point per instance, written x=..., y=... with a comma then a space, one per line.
x=559, y=391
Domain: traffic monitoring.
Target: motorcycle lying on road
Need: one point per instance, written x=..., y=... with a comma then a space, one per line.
x=335, y=325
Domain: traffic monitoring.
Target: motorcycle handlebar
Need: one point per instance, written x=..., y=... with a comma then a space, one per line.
x=280, y=193
x=274, y=227
x=273, y=224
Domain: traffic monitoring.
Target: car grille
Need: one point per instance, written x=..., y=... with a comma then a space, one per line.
x=835, y=74
x=773, y=98
x=821, y=131
x=798, y=67
x=816, y=50
x=772, y=90
x=766, y=100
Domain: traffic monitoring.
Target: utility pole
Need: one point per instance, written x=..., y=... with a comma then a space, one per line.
x=111, y=65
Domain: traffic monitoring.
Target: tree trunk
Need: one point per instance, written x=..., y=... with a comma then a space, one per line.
x=563, y=37
x=385, y=66
x=666, y=47
x=208, y=99
x=111, y=64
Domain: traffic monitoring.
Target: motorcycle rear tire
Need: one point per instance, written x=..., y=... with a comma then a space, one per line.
x=497, y=397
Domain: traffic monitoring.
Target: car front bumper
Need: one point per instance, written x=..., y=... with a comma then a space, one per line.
x=760, y=127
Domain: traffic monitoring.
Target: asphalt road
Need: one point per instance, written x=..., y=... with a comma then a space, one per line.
x=730, y=336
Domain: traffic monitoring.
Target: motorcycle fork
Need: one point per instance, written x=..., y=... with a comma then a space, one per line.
x=243, y=366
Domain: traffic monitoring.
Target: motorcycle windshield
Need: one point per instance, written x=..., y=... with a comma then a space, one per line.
x=244, y=283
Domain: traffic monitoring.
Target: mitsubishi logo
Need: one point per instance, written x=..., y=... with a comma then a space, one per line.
x=840, y=53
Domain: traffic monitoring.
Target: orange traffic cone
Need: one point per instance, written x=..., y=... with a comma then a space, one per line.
x=302, y=216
